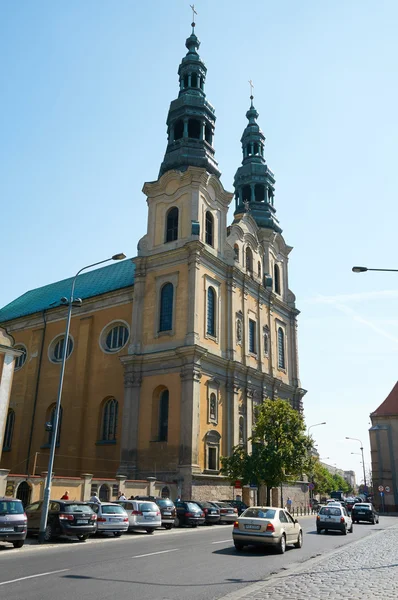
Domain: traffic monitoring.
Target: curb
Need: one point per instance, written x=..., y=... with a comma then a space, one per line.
x=271, y=580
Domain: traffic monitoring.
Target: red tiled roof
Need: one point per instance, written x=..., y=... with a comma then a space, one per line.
x=390, y=405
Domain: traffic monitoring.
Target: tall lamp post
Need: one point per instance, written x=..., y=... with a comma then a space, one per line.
x=363, y=460
x=308, y=436
x=55, y=423
x=364, y=269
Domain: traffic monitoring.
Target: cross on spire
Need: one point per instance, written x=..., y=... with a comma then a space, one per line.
x=251, y=90
x=193, y=16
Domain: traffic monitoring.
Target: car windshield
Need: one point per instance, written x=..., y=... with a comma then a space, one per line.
x=362, y=505
x=77, y=508
x=165, y=503
x=330, y=511
x=259, y=513
x=147, y=507
x=112, y=509
x=207, y=505
x=11, y=507
x=192, y=506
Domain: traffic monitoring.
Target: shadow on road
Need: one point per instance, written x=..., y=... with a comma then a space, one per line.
x=164, y=585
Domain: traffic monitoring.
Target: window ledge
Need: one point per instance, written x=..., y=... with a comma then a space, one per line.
x=211, y=471
x=158, y=441
x=169, y=332
x=253, y=354
x=105, y=442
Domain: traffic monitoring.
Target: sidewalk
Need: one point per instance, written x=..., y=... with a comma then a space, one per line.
x=365, y=570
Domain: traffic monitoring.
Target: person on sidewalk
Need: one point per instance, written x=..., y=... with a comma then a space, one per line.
x=94, y=498
x=65, y=496
x=121, y=496
x=289, y=504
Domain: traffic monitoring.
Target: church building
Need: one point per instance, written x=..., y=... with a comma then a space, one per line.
x=170, y=352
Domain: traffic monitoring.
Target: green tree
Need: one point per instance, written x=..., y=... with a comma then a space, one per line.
x=321, y=478
x=280, y=448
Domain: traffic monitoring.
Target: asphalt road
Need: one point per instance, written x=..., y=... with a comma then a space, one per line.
x=181, y=564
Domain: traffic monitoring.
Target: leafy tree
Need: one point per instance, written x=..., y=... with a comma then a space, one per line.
x=280, y=448
x=321, y=478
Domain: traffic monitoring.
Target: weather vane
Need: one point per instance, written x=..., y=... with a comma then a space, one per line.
x=193, y=15
x=251, y=89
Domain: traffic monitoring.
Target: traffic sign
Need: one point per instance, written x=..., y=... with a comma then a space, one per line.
x=381, y=488
x=381, y=494
x=387, y=489
x=311, y=486
x=238, y=484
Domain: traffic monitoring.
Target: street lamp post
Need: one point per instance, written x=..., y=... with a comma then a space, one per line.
x=308, y=436
x=55, y=424
x=364, y=269
x=363, y=460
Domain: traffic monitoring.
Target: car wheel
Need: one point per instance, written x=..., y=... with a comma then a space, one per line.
x=373, y=521
x=318, y=530
x=18, y=544
x=193, y=525
x=169, y=526
x=299, y=542
x=177, y=522
x=344, y=530
x=150, y=530
x=82, y=537
x=48, y=533
x=239, y=547
x=351, y=530
x=117, y=533
x=281, y=547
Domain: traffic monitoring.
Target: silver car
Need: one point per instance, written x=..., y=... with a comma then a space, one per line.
x=142, y=515
x=334, y=516
x=111, y=518
x=267, y=526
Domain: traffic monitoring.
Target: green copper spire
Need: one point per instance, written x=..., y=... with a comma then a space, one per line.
x=254, y=182
x=191, y=118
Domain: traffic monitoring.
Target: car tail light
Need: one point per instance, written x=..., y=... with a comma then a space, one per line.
x=236, y=525
x=137, y=512
x=270, y=527
x=101, y=520
x=236, y=510
x=25, y=515
x=223, y=510
x=202, y=514
x=341, y=519
x=93, y=517
x=65, y=517
x=318, y=518
x=126, y=520
x=158, y=513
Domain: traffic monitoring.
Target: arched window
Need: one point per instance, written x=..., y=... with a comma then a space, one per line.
x=236, y=252
x=194, y=80
x=212, y=447
x=109, y=420
x=255, y=148
x=249, y=260
x=259, y=192
x=281, y=349
x=163, y=416
x=211, y=312
x=172, y=225
x=259, y=269
x=179, y=129
x=246, y=193
x=9, y=430
x=277, y=280
x=104, y=493
x=186, y=80
x=209, y=228
x=165, y=492
x=166, y=307
x=51, y=419
x=20, y=360
x=194, y=127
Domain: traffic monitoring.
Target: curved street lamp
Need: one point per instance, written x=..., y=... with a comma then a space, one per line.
x=363, y=460
x=364, y=269
x=316, y=425
x=70, y=303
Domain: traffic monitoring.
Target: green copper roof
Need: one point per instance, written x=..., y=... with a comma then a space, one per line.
x=115, y=276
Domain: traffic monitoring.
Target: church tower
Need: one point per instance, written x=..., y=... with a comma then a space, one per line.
x=213, y=321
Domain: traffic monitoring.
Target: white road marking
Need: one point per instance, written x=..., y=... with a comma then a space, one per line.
x=32, y=576
x=223, y=541
x=153, y=553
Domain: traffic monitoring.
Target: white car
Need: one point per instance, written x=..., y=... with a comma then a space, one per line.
x=334, y=517
x=111, y=518
x=142, y=514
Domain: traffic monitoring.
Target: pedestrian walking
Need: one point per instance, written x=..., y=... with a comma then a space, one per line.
x=289, y=504
x=121, y=496
x=65, y=496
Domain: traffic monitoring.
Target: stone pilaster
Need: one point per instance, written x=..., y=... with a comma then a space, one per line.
x=130, y=421
x=192, y=336
x=138, y=306
x=190, y=416
x=232, y=388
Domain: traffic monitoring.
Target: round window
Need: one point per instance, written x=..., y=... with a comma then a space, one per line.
x=114, y=337
x=57, y=349
x=21, y=359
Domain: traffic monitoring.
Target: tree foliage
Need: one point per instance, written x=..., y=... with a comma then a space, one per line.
x=280, y=448
x=324, y=481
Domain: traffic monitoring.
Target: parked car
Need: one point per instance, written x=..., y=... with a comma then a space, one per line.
x=241, y=506
x=228, y=513
x=334, y=517
x=167, y=509
x=188, y=513
x=65, y=517
x=111, y=518
x=364, y=511
x=142, y=515
x=211, y=512
x=267, y=526
x=13, y=521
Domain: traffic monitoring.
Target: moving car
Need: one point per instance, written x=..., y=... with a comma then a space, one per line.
x=188, y=513
x=211, y=512
x=167, y=509
x=13, y=521
x=335, y=517
x=142, y=515
x=349, y=503
x=267, y=526
x=228, y=513
x=111, y=518
x=364, y=511
x=65, y=517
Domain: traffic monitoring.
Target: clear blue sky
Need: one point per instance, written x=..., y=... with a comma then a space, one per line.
x=86, y=88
